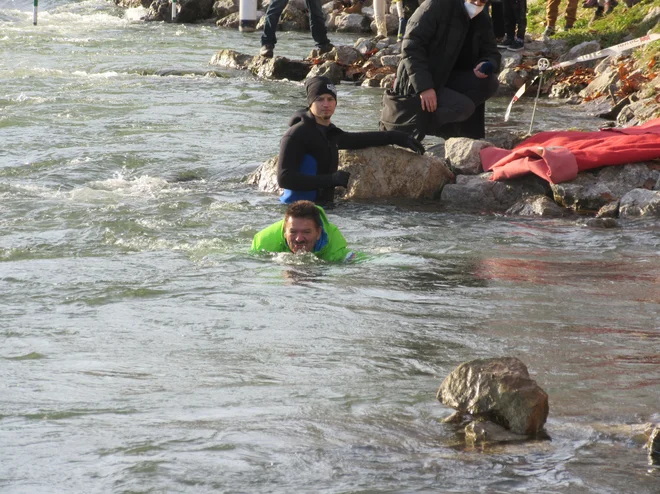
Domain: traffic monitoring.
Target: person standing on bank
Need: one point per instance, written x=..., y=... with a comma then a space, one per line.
x=316, y=25
x=515, y=24
x=308, y=162
x=449, y=58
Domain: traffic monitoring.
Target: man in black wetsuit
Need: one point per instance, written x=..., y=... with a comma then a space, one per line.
x=308, y=162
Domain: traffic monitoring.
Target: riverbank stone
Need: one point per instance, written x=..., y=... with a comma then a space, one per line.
x=498, y=390
x=479, y=193
x=463, y=154
x=592, y=190
x=640, y=203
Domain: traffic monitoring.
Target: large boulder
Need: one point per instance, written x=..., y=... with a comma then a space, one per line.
x=376, y=173
x=388, y=172
x=499, y=390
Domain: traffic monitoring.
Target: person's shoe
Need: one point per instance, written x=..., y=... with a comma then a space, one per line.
x=356, y=8
x=323, y=49
x=567, y=28
x=549, y=31
x=590, y=4
x=598, y=14
x=506, y=42
x=609, y=6
x=267, y=51
x=516, y=45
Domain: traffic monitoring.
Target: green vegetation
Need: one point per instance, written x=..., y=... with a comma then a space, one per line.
x=621, y=24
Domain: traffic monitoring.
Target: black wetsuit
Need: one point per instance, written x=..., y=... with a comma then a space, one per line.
x=309, y=155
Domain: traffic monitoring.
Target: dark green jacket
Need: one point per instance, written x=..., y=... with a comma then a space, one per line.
x=271, y=239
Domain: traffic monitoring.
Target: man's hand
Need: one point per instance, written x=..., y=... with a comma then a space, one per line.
x=483, y=70
x=340, y=178
x=414, y=145
x=429, y=100
x=406, y=141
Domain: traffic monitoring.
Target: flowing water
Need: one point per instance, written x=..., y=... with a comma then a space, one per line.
x=142, y=349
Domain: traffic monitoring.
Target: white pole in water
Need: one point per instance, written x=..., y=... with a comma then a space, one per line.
x=174, y=10
x=34, y=12
x=379, y=15
x=247, y=15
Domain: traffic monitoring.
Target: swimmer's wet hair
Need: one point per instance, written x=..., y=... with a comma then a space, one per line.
x=303, y=209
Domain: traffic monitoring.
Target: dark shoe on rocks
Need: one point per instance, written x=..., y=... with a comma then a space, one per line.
x=323, y=49
x=505, y=43
x=516, y=45
x=598, y=14
x=590, y=4
x=609, y=6
x=549, y=31
x=267, y=51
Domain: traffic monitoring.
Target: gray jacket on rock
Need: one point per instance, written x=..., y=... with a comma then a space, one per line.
x=434, y=39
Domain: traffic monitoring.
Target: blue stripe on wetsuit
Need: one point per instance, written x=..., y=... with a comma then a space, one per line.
x=307, y=167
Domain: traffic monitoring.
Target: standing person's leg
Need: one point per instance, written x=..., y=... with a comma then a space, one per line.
x=571, y=13
x=317, y=23
x=509, y=23
x=551, y=13
x=272, y=16
x=497, y=16
x=521, y=19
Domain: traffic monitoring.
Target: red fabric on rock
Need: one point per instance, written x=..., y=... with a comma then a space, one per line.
x=559, y=156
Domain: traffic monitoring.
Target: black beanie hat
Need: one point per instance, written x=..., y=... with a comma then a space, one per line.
x=316, y=86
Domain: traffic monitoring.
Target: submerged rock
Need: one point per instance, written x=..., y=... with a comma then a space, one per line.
x=539, y=205
x=653, y=444
x=484, y=431
x=499, y=390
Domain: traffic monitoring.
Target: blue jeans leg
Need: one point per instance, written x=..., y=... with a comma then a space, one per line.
x=273, y=14
x=317, y=22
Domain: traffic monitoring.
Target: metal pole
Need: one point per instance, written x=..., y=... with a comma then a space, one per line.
x=34, y=12
x=544, y=64
x=174, y=12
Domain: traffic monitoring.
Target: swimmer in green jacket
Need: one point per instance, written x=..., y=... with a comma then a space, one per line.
x=305, y=228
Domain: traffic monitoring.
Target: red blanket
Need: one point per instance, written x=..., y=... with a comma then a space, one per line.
x=559, y=156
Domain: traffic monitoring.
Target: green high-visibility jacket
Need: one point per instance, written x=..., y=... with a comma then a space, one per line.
x=271, y=239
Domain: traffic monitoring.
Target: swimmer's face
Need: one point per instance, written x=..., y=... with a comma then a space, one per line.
x=301, y=234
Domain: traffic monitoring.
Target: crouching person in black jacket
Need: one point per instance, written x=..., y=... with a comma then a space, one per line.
x=449, y=61
x=308, y=162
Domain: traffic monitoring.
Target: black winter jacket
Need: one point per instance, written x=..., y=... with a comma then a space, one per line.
x=304, y=138
x=433, y=41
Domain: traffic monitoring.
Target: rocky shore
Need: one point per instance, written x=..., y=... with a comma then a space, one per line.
x=621, y=89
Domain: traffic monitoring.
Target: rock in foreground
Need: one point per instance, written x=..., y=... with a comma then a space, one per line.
x=499, y=390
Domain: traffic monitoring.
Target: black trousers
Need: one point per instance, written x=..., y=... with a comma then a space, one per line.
x=515, y=18
x=462, y=94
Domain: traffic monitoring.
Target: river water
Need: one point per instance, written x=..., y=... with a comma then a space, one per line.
x=142, y=349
